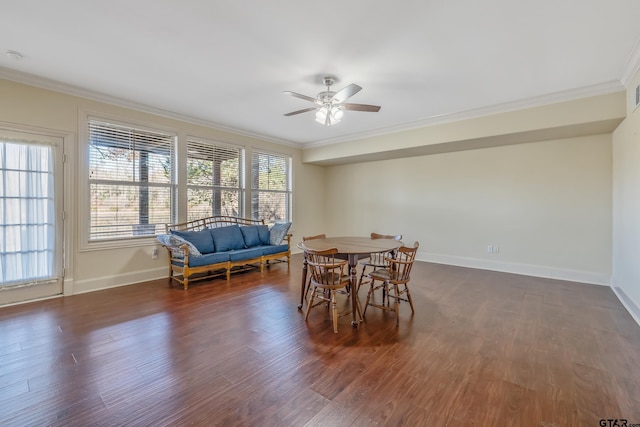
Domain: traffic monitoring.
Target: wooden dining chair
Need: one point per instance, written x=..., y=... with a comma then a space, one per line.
x=394, y=281
x=304, y=239
x=328, y=274
x=376, y=260
x=317, y=236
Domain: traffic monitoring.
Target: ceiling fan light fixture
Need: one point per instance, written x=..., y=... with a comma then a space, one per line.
x=321, y=115
x=337, y=113
x=329, y=116
x=330, y=105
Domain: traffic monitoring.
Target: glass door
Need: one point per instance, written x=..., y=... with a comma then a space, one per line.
x=31, y=225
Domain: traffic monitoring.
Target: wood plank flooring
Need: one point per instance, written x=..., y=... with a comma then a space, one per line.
x=484, y=348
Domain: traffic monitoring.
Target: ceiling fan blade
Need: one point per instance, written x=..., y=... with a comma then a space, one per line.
x=293, y=113
x=361, y=107
x=346, y=92
x=301, y=96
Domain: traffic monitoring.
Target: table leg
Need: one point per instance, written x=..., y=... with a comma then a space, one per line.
x=304, y=282
x=353, y=282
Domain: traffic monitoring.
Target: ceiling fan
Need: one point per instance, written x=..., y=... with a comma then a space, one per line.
x=330, y=105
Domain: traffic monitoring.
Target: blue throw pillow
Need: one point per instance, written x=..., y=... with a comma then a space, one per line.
x=251, y=236
x=200, y=239
x=263, y=232
x=278, y=232
x=227, y=238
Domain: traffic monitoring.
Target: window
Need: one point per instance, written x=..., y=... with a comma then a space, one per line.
x=131, y=180
x=270, y=187
x=214, y=179
x=27, y=213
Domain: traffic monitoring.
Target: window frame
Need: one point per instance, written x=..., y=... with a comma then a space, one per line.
x=65, y=154
x=289, y=183
x=53, y=222
x=215, y=144
x=178, y=186
x=84, y=203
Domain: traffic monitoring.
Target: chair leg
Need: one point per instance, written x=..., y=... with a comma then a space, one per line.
x=386, y=294
x=334, y=307
x=309, y=290
x=406, y=289
x=366, y=304
x=361, y=276
x=397, y=303
x=306, y=289
x=310, y=303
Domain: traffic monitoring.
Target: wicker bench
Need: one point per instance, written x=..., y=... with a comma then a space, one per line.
x=219, y=245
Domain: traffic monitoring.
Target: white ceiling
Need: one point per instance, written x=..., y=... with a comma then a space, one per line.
x=227, y=62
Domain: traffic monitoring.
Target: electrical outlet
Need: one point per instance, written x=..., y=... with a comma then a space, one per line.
x=154, y=253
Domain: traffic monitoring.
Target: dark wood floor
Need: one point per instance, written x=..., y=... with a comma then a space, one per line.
x=484, y=348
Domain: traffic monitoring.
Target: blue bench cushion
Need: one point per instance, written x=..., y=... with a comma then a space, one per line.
x=214, y=258
x=263, y=232
x=227, y=238
x=270, y=250
x=251, y=236
x=200, y=239
x=245, y=254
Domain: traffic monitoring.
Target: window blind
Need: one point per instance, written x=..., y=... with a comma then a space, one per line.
x=270, y=187
x=214, y=179
x=131, y=180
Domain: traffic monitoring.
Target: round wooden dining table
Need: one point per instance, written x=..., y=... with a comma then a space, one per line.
x=353, y=249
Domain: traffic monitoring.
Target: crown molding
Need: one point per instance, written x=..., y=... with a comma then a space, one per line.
x=44, y=83
x=553, y=98
x=632, y=66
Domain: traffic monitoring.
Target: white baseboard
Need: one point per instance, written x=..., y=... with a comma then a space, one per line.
x=517, y=268
x=114, y=281
x=626, y=301
x=31, y=300
x=67, y=286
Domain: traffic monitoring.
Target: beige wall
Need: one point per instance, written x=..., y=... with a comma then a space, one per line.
x=586, y=116
x=26, y=106
x=308, y=213
x=547, y=205
x=626, y=208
